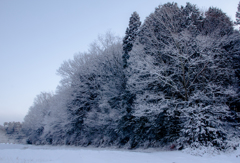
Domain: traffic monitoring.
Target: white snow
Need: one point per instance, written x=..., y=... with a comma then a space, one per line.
x=17, y=153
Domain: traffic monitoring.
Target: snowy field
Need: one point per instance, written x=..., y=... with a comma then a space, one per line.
x=17, y=153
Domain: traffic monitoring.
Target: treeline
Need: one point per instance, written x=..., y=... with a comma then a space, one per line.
x=173, y=79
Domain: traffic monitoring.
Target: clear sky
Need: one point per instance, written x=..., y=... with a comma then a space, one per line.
x=36, y=36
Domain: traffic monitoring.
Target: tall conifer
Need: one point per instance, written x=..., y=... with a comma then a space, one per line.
x=130, y=36
x=238, y=15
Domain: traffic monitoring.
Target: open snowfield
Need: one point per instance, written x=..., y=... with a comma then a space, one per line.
x=17, y=153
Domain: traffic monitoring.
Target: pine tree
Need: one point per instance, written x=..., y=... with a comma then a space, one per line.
x=130, y=36
x=128, y=41
x=125, y=126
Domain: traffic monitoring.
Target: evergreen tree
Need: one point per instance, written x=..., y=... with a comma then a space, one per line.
x=238, y=15
x=130, y=36
x=128, y=41
x=126, y=124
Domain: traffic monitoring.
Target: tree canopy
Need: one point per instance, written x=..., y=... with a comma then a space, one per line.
x=172, y=80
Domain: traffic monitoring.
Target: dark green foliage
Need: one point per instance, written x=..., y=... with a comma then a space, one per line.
x=130, y=36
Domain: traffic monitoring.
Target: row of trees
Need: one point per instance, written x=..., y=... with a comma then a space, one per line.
x=173, y=80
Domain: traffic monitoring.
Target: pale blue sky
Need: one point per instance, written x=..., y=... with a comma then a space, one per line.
x=36, y=36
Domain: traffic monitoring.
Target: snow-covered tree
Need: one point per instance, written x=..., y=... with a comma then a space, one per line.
x=238, y=15
x=130, y=36
x=57, y=123
x=209, y=125
x=33, y=125
x=173, y=80
x=108, y=68
x=96, y=82
x=181, y=52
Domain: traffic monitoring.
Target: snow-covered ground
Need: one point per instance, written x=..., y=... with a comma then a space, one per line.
x=17, y=153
